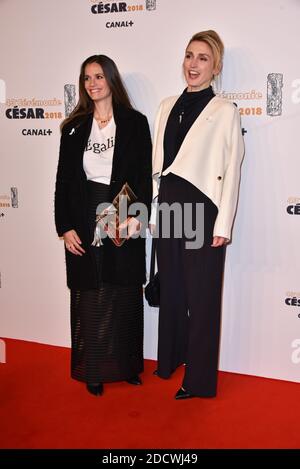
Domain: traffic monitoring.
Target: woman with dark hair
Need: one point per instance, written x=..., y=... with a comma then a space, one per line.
x=105, y=143
x=198, y=149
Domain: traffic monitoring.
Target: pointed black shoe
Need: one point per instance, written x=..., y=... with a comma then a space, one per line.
x=95, y=389
x=183, y=394
x=134, y=380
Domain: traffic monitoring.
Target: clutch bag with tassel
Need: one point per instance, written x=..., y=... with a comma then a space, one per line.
x=109, y=221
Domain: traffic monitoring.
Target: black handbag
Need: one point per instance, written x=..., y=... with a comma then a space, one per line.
x=152, y=288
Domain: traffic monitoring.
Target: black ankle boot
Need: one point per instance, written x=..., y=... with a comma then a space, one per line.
x=96, y=388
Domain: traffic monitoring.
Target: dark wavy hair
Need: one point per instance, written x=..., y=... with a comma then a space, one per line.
x=85, y=104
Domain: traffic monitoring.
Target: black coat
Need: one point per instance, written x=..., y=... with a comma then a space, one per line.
x=123, y=265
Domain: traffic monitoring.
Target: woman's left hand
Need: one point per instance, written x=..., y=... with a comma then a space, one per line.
x=219, y=241
x=133, y=226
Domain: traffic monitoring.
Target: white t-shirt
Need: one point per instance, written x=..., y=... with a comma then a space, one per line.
x=98, y=154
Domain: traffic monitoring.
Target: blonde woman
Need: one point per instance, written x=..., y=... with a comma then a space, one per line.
x=198, y=149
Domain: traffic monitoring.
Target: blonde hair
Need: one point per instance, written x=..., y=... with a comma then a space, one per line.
x=216, y=44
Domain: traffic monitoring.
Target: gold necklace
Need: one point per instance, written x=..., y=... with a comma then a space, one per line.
x=100, y=120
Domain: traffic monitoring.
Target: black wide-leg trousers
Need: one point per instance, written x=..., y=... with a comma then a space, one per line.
x=190, y=302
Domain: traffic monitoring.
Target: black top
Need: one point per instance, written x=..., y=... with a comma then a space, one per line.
x=182, y=116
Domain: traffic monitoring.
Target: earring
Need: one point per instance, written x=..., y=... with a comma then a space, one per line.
x=216, y=84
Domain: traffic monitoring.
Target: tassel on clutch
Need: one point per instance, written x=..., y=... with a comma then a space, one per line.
x=101, y=224
x=97, y=241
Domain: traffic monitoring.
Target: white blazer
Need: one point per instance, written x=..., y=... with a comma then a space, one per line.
x=210, y=156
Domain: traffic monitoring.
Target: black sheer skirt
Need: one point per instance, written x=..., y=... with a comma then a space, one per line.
x=106, y=323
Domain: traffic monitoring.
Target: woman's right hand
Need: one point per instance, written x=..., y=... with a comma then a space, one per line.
x=73, y=242
x=152, y=228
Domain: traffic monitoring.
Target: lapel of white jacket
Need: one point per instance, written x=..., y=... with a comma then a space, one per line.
x=159, y=131
x=206, y=116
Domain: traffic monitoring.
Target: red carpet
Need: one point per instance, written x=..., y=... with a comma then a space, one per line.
x=41, y=407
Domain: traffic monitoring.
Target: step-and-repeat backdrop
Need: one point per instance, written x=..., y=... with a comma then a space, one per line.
x=42, y=47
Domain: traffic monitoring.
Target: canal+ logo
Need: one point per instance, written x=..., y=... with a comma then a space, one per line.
x=34, y=110
x=109, y=7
